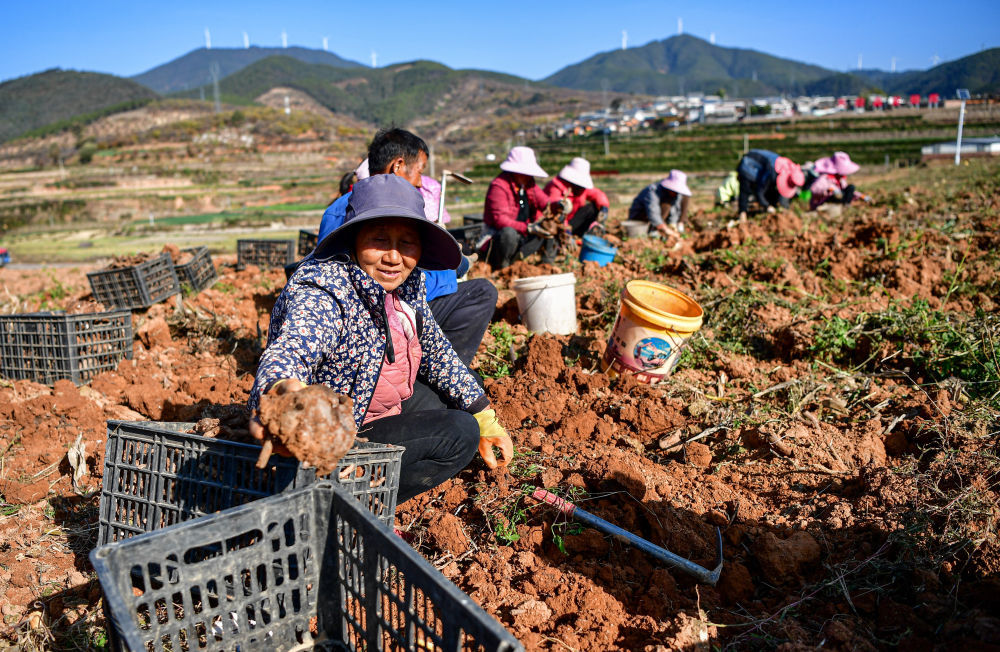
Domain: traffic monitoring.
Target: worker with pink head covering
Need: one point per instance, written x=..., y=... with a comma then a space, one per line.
x=770, y=178
x=831, y=184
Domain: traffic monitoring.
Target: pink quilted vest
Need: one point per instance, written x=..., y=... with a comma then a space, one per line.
x=395, y=380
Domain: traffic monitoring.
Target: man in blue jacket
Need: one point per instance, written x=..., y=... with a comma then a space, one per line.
x=462, y=310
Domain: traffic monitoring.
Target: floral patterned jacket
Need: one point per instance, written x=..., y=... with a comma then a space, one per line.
x=328, y=326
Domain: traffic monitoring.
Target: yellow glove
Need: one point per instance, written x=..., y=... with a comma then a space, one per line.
x=491, y=434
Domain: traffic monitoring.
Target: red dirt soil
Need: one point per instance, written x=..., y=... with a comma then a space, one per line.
x=814, y=476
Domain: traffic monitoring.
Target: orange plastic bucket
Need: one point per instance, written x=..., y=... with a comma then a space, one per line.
x=654, y=321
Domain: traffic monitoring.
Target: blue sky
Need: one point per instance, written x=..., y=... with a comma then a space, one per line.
x=530, y=39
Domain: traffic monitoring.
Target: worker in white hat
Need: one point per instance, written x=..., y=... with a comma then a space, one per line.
x=664, y=204
x=588, y=206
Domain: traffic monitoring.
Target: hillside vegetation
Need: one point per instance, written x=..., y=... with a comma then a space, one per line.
x=194, y=69
x=53, y=96
x=684, y=64
x=392, y=95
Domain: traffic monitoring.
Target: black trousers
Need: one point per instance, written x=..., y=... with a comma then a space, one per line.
x=465, y=315
x=748, y=190
x=583, y=218
x=439, y=442
x=508, y=243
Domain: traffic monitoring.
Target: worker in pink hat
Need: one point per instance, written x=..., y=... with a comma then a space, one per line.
x=588, y=206
x=772, y=179
x=513, y=212
x=664, y=204
x=831, y=184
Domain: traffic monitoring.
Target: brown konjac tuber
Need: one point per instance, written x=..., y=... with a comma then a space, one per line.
x=316, y=424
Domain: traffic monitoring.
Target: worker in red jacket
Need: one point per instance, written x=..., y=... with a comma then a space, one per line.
x=513, y=212
x=588, y=206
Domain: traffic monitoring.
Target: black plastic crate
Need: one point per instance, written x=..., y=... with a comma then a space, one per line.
x=49, y=346
x=264, y=576
x=199, y=272
x=307, y=242
x=467, y=236
x=264, y=253
x=138, y=286
x=156, y=474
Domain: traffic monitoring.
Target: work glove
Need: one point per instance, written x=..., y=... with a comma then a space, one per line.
x=536, y=229
x=491, y=434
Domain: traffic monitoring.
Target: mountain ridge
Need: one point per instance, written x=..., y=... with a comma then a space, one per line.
x=686, y=63
x=193, y=69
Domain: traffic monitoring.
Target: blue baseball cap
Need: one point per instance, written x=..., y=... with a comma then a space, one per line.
x=387, y=195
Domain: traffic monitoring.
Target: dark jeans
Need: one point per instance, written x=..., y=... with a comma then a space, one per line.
x=439, y=444
x=465, y=315
x=583, y=218
x=508, y=243
x=748, y=189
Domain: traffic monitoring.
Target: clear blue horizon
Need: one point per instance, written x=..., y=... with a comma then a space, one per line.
x=532, y=40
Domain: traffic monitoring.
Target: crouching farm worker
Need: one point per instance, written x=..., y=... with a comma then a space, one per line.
x=831, y=184
x=588, y=205
x=664, y=204
x=512, y=214
x=355, y=317
x=772, y=179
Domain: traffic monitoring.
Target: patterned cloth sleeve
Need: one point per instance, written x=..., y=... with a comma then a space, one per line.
x=310, y=328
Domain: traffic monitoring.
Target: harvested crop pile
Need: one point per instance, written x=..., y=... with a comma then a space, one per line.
x=314, y=423
x=121, y=262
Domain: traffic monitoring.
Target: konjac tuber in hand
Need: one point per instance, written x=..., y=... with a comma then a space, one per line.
x=315, y=424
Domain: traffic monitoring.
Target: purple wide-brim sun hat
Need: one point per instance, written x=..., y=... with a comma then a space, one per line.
x=577, y=172
x=677, y=182
x=840, y=163
x=521, y=160
x=386, y=195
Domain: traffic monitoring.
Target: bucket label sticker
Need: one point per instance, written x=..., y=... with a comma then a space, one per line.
x=652, y=353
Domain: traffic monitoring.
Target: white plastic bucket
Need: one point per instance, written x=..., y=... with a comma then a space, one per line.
x=635, y=228
x=547, y=303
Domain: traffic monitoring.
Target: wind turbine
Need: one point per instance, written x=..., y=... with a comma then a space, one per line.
x=680, y=25
x=326, y=44
x=624, y=39
x=935, y=59
x=892, y=66
x=284, y=39
x=374, y=59
x=208, y=39
x=711, y=38
x=246, y=41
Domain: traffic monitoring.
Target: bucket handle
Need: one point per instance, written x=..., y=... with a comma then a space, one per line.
x=537, y=297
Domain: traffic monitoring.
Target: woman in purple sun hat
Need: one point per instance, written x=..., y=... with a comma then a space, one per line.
x=354, y=317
